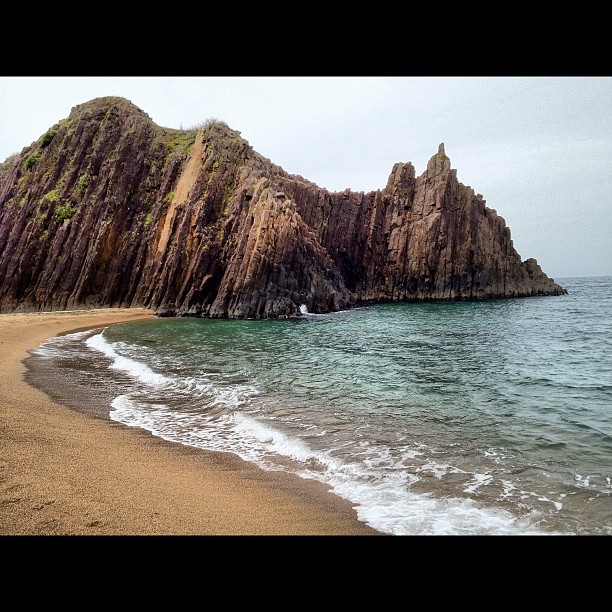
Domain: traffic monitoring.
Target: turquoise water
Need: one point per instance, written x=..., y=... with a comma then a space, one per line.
x=442, y=418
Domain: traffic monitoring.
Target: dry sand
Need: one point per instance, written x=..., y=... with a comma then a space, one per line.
x=65, y=473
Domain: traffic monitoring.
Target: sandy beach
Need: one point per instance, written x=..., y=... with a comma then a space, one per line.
x=63, y=472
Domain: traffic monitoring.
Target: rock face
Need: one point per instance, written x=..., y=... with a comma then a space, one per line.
x=108, y=209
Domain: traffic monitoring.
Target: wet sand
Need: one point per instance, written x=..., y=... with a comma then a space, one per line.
x=63, y=472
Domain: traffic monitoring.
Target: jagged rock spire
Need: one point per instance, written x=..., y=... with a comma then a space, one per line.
x=439, y=163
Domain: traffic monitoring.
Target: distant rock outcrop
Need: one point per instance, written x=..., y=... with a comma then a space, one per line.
x=109, y=209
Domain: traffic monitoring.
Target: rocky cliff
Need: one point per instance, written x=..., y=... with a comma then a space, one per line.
x=108, y=209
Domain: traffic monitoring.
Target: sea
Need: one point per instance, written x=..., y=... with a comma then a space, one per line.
x=442, y=418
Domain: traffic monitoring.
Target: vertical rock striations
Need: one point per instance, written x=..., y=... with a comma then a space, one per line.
x=109, y=209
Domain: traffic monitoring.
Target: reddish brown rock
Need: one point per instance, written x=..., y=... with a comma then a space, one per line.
x=109, y=209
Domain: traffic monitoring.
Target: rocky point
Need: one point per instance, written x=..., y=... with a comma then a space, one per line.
x=107, y=209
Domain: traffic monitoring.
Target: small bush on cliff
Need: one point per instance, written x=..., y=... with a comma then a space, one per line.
x=210, y=122
x=31, y=160
x=47, y=138
x=63, y=212
x=52, y=196
x=84, y=183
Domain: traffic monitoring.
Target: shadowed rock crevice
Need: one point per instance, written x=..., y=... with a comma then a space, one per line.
x=108, y=209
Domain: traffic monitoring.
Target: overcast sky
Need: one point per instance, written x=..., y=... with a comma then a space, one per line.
x=539, y=149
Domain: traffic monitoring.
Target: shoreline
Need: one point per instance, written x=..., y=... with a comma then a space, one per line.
x=64, y=472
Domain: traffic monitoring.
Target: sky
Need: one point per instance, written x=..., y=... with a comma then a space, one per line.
x=539, y=149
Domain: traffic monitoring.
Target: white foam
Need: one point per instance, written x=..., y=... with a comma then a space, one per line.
x=228, y=396
x=53, y=346
x=382, y=500
x=508, y=489
x=135, y=369
x=338, y=313
x=439, y=469
x=232, y=396
x=478, y=480
x=281, y=444
x=387, y=504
